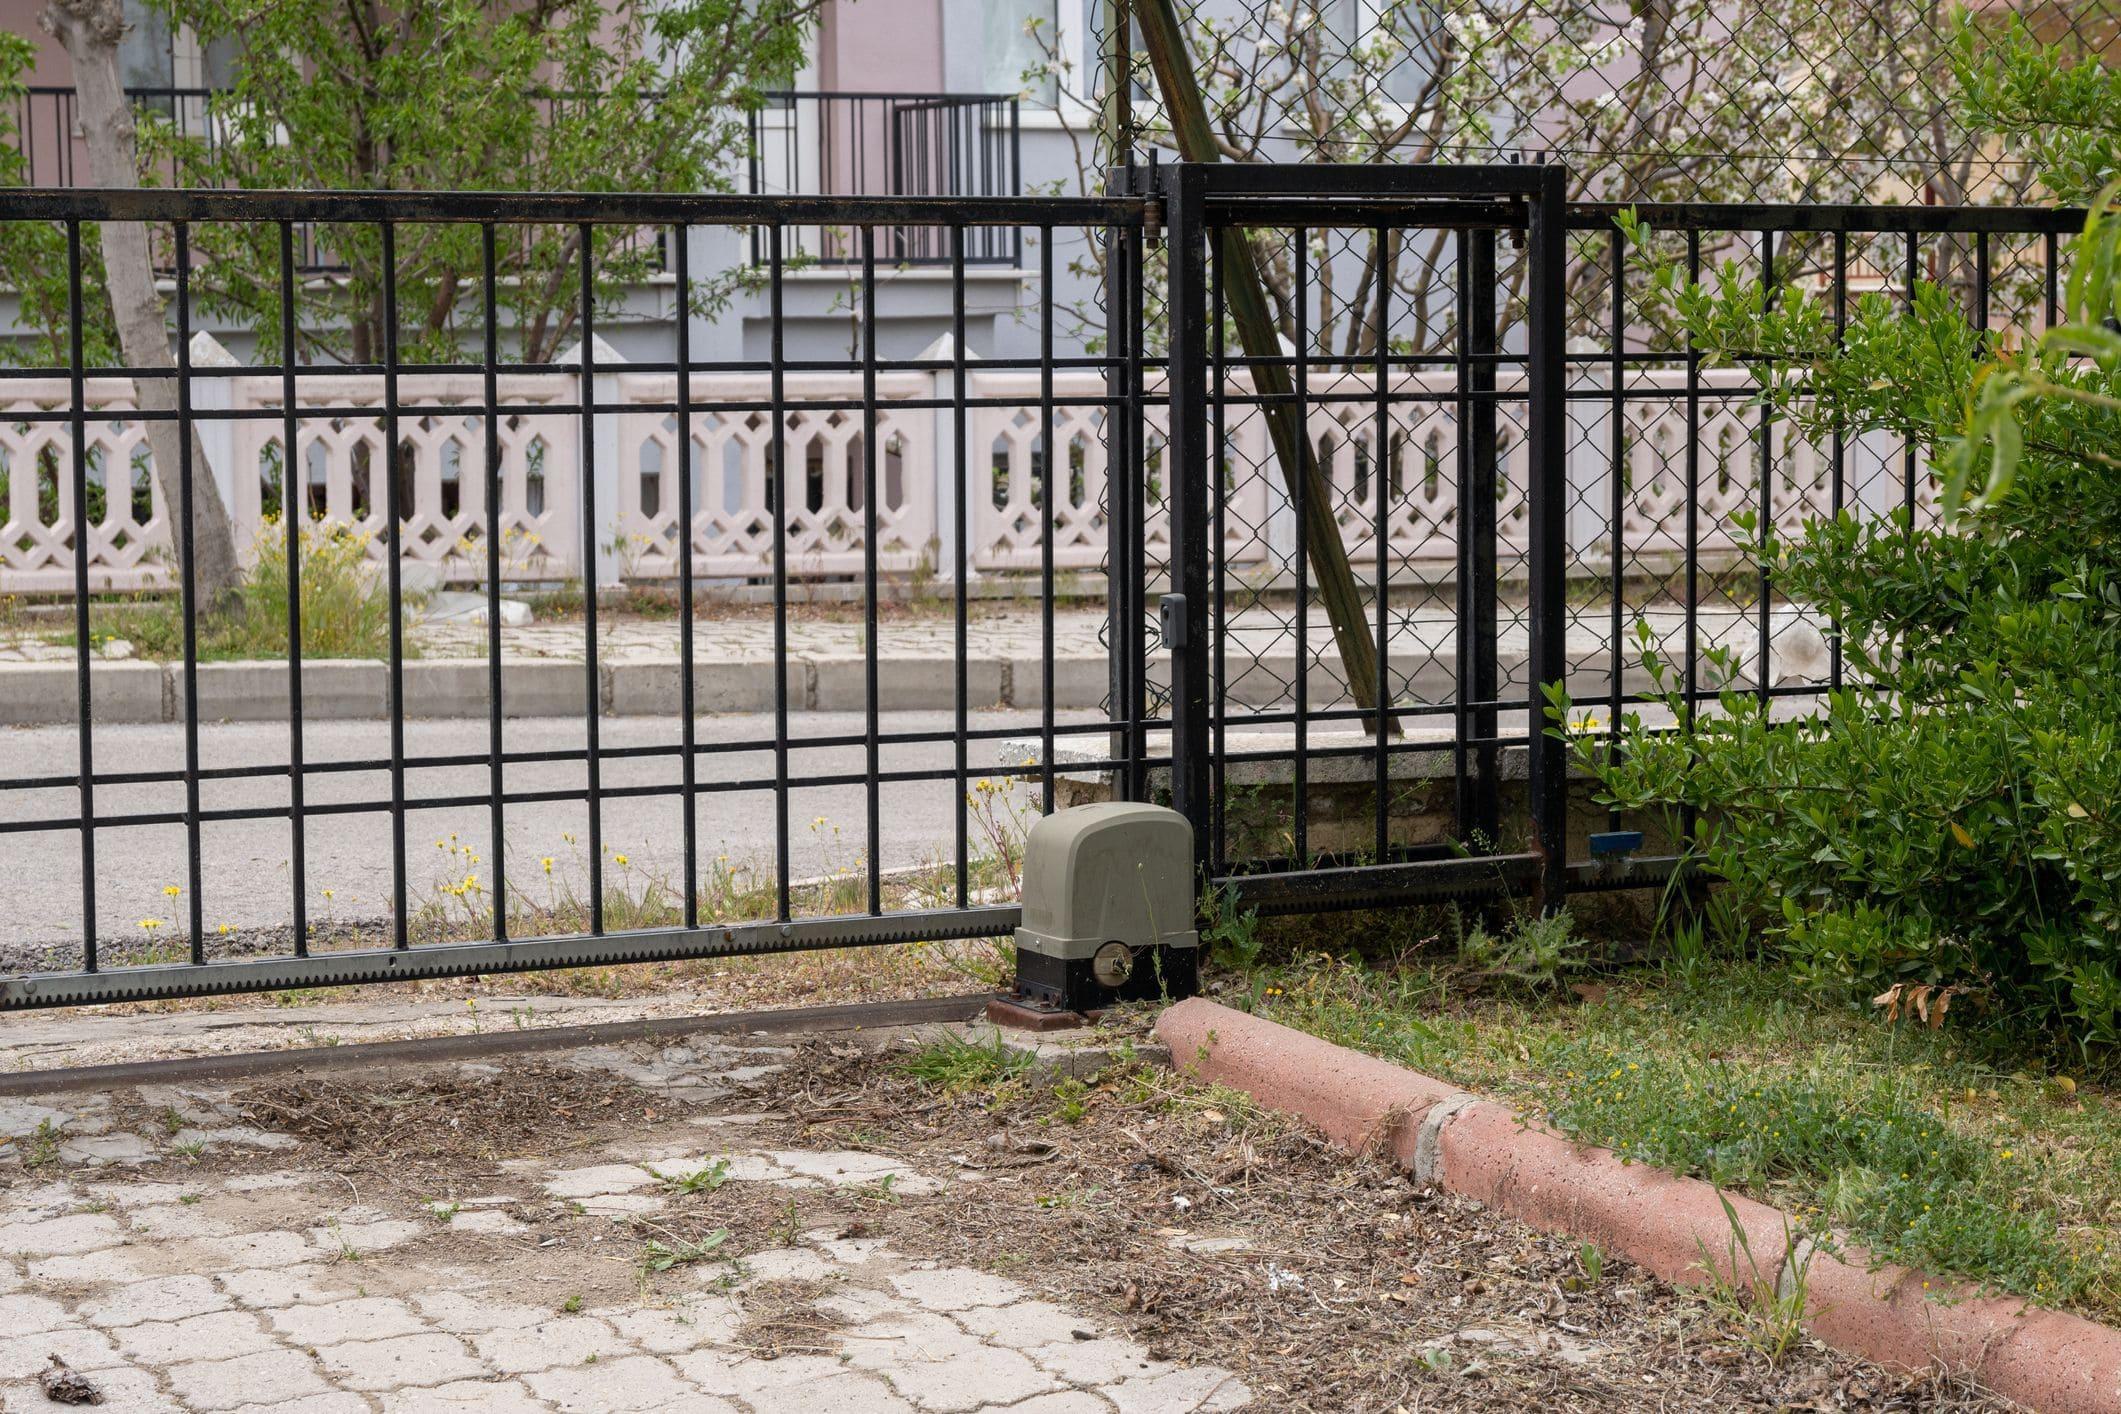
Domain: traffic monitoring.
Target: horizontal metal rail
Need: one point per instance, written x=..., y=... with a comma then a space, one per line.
x=334, y=969
x=562, y=208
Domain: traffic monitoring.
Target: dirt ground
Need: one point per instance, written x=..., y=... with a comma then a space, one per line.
x=1149, y=1216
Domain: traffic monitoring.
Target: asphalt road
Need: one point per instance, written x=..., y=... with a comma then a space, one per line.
x=247, y=878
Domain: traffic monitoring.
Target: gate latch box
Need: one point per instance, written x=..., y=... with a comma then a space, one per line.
x=1108, y=907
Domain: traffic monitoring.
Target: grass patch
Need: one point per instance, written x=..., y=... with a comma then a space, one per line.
x=1932, y=1148
x=954, y=1065
x=345, y=613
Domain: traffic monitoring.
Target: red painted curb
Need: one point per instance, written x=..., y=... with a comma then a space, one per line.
x=2043, y=1359
x=1675, y=1227
x=1357, y=1100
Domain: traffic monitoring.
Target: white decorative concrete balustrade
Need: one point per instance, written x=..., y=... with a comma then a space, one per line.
x=638, y=455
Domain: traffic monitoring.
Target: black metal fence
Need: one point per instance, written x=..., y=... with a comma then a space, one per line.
x=1519, y=463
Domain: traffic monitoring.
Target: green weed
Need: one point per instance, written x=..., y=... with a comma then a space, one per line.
x=954, y=1065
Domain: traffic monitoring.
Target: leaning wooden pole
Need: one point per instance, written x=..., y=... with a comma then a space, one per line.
x=1245, y=297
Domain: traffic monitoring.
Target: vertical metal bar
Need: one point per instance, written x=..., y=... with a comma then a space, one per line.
x=688, y=729
x=294, y=509
x=1981, y=280
x=393, y=531
x=1016, y=170
x=1300, y=839
x=1692, y=667
x=189, y=589
x=1764, y=676
x=1547, y=474
x=2052, y=279
x=1838, y=490
x=1616, y=510
x=1054, y=456
x=1218, y=544
x=871, y=791
x=593, y=755
x=77, y=385
x=1124, y=507
x=1135, y=641
x=1118, y=107
x=1115, y=437
x=778, y=395
x=960, y=561
x=490, y=383
x=1463, y=629
x=1186, y=470
x=1477, y=518
x=1380, y=477
x=1908, y=455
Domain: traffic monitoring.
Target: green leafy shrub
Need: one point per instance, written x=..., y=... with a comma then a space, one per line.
x=345, y=609
x=1950, y=831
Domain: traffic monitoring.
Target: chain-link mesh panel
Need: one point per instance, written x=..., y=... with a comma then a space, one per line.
x=1644, y=100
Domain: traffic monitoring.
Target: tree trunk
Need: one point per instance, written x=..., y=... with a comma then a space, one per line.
x=90, y=30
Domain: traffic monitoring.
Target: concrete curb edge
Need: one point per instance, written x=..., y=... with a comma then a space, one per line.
x=1678, y=1228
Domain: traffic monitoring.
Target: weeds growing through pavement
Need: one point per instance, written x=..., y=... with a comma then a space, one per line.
x=704, y=1179
x=954, y=1065
x=1768, y=1305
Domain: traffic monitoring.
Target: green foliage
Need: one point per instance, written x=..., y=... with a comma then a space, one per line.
x=470, y=95
x=2054, y=113
x=33, y=256
x=954, y=1065
x=1533, y=952
x=660, y=1256
x=1949, y=832
x=1228, y=929
x=1888, y=1166
x=345, y=614
x=705, y=1179
x=1922, y=1145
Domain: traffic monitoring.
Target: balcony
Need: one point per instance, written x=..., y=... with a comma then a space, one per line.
x=808, y=144
x=46, y=128
x=888, y=144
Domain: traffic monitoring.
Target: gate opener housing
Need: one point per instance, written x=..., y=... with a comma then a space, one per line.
x=1108, y=907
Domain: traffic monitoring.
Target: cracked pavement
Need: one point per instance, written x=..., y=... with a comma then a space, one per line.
x=183, y=1256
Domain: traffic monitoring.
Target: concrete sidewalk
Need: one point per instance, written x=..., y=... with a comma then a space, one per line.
x=639, y=667
x=179, y=1254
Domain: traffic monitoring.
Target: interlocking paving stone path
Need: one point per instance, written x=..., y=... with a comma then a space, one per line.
x=182, y=1285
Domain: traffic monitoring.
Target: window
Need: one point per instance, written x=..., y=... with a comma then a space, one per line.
x=1010, y=48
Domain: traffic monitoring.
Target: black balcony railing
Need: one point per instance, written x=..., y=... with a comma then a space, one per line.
x=46, y=131
x=889, y=144
x=45, y=128
x=802, y=144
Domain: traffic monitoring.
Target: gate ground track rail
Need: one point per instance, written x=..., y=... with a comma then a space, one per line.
x=1315, y=890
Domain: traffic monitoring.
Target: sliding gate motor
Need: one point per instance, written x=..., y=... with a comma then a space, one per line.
x=1108, y=907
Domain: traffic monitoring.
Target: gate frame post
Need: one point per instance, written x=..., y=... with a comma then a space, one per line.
x=1188, y=464
x=1126, y=574
x=1479, y=564
x=1547, y=758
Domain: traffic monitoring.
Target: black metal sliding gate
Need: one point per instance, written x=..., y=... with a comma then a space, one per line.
x=178, y=820
x=1163, y=398
x=1341, y=717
